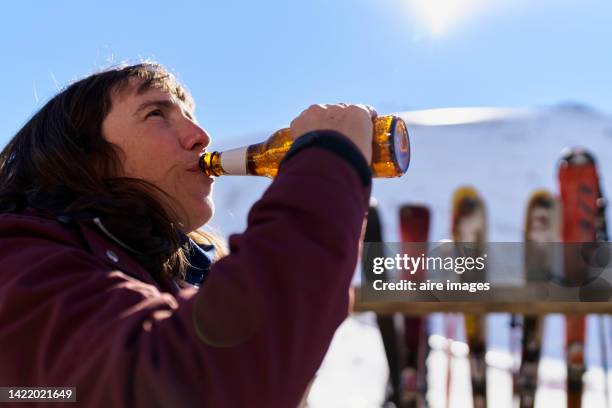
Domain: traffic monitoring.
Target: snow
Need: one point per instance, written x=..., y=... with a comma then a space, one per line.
x=505, y=154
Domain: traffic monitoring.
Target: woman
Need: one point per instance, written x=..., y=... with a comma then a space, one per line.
x=100, y=204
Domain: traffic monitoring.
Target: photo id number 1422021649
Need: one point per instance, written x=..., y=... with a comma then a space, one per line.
x=38, y=394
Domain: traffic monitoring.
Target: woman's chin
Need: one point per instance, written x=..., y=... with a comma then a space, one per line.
x=201, y=214
x=209, y=209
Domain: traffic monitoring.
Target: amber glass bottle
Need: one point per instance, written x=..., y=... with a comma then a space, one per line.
x=390, y=153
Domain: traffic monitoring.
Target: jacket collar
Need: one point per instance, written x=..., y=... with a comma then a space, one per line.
x=199, y=257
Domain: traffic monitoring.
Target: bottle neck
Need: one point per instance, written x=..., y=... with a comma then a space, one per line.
x=210, y=164
x=234, y=161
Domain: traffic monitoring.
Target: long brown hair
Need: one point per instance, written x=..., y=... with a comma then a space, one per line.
x=59, y=161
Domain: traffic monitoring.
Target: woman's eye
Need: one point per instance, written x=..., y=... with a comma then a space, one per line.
x=156, y=112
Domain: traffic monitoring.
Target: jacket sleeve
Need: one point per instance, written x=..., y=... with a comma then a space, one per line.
x=253, y=335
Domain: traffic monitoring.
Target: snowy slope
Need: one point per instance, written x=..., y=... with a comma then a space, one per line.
x=505, y=154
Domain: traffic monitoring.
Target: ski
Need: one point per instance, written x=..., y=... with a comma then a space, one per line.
x=541, y=228
x=580, y=193
x=414, y=227
x=469, y=227
x=450, y=324
x=601, y=235
x=386, y=325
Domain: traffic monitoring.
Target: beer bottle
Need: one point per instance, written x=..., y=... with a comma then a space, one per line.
x=390, y=153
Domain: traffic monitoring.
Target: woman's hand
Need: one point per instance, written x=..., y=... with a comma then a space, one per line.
x=353, y=121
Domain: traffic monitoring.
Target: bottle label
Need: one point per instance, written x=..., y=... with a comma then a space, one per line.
x=233, y=161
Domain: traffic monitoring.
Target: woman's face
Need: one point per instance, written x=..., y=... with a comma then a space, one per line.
x=161, y=143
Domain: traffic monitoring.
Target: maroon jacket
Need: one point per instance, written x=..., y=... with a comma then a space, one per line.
x=76, y=310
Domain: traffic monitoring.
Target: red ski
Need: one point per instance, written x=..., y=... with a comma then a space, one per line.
x=414, y=227
x=580, y=193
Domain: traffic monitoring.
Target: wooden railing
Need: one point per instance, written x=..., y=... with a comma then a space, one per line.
x=498, y=304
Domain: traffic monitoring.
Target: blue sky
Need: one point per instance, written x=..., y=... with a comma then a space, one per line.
x=253, y=65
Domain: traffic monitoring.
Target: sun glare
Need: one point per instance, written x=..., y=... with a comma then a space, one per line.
x=442, y=15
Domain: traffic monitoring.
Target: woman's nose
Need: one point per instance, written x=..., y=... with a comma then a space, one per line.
x=195, y=137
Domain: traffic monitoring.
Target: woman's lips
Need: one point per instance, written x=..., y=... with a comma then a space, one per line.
x=196, y=169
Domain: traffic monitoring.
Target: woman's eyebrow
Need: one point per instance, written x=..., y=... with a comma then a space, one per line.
x=162, y=103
